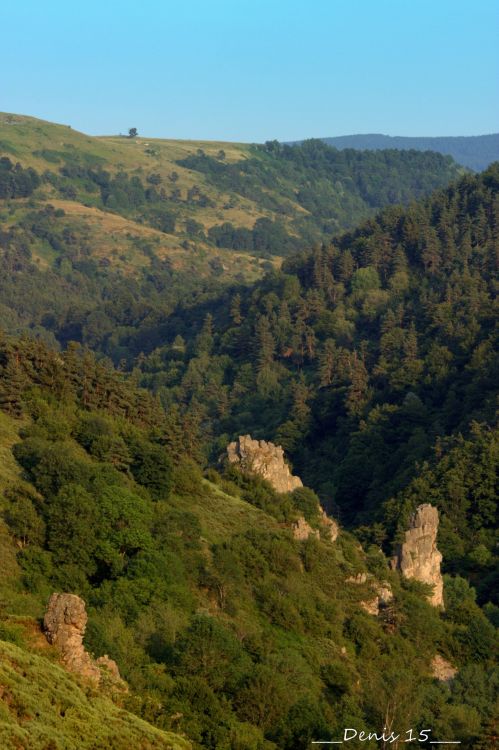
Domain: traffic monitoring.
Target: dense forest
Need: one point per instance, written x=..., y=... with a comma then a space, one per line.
x=370, y=357
x=210, y=606
x=474, y=151
x=335, y=189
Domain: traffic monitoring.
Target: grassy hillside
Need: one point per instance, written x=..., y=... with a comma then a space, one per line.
x=209, y=197
x=42, y=707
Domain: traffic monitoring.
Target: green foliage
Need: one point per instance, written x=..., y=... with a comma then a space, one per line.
x=225, y=627
x=336, y=189
x=43, y=707
x=371, y=358
x=16, y=182
x=307, y=502
x=152, y=467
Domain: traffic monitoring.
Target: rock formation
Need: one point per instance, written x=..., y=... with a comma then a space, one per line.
x=264, y=459
x=302, y=529
x=418, y=556
x=328, y=528
x=358, y=579
x=64, y=624
x=383, y=593
x=442, y=669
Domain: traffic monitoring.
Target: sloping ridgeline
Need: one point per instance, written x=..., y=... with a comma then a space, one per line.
x=334, y=189
x=474, y=151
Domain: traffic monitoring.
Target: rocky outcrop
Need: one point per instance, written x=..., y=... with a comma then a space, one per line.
x=442, y=669
x=302, y=530
x=329, y=526
x=418, y=556
x=328, y=529
x=267, y=461
x=383, y=593
x=264, y=459
x=64, y=623
x=358, y=579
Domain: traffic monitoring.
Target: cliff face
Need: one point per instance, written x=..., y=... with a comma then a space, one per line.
x=264, y=459
x=418, y=556
x=64, y=624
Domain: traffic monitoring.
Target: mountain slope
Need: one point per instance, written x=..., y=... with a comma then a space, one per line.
x=227, y=628
x=199, y=196
x=364, y=358
x=42, y=707
x=476, y=152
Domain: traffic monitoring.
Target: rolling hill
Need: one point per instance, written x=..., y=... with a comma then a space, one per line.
x=138, y=345
x=193, y=202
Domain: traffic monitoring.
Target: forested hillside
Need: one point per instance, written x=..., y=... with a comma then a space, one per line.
x=476, y=151
x=372, y=360
x=126, y=367
x=228, y=630
x=190, y=203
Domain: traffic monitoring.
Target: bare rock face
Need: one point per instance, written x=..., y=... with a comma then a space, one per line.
x=418, y=556
x=264, y=459
x=358, y=579
x=371, y=606
x=64, y=624
x=108, y=667
x=385, y=593
x=442, y=669
x=302, y=529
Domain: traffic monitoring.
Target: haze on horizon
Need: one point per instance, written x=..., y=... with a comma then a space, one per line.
x=256, y=71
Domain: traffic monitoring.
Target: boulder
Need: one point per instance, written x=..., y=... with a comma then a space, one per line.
x=418, y=556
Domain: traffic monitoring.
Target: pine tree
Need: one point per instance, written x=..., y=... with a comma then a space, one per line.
x=235, y=310
x=265, y=343
x=12, y=383
x=327, y=363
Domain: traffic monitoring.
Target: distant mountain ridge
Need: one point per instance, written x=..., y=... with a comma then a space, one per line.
x=475, y=151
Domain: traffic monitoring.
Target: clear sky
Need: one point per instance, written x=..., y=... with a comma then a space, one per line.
x=254, y=70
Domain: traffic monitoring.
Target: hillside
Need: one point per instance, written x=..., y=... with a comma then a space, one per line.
x=236, y=621
x=199, y=590
x=215, y=209
x=43, y=707
x=370, y=360
x=475, y=152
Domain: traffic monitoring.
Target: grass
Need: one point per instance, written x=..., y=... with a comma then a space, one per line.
x=222, y=515
x=42, y=707
x=45, y=146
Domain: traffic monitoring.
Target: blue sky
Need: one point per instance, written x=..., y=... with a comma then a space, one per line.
x=254, y=71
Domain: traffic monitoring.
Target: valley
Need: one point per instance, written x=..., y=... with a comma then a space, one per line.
x=248, y=418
